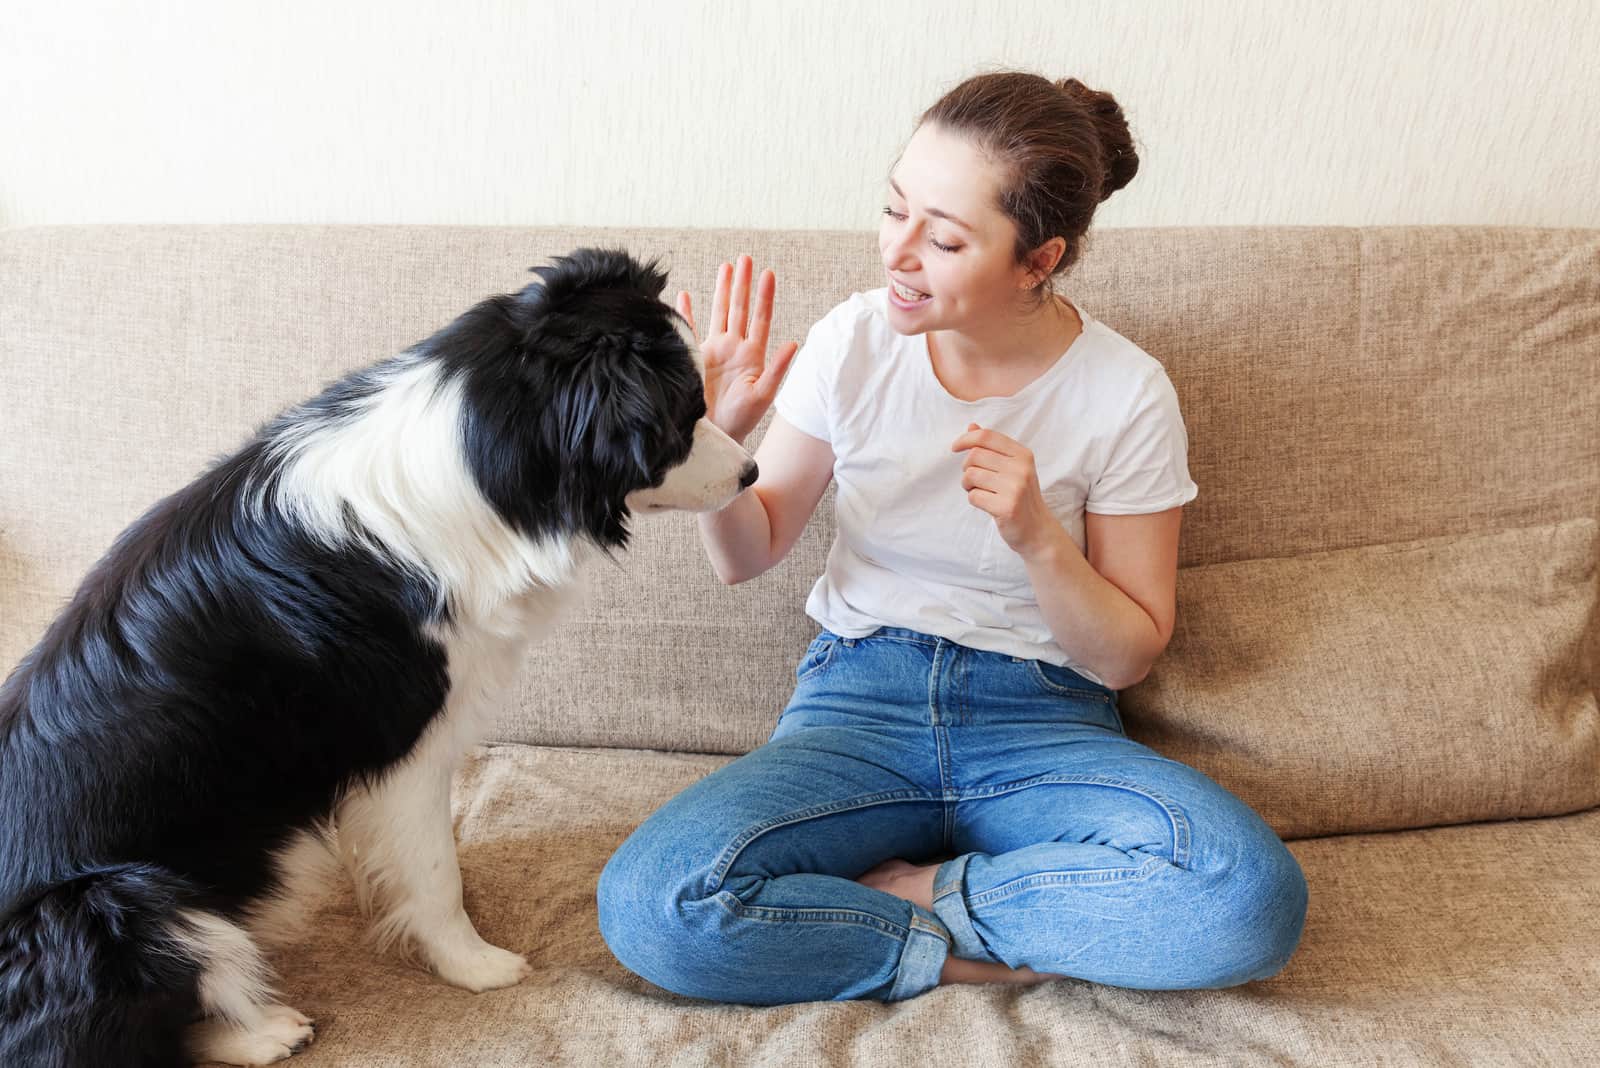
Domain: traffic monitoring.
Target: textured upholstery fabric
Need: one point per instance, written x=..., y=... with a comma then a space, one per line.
x=1472, y=945
x=1444, y=680
x=1341, y=387
x=1387, y=620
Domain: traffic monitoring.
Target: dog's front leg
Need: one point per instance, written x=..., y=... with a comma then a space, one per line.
x=397, y=840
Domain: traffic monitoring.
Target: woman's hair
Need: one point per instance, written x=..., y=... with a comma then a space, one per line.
x=1060, y=147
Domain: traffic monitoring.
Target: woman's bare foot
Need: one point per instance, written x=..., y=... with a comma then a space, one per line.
x=914, y=883
x=957, y=970
x=903, y=879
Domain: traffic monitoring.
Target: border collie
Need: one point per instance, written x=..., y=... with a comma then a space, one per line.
x=278, y=667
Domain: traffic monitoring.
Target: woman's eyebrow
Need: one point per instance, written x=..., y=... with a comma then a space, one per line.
x=932, y=211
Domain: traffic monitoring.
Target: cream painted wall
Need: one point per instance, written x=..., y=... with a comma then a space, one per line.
x=779, y=114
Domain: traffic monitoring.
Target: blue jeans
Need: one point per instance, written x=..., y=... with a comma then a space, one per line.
x=1066, y=846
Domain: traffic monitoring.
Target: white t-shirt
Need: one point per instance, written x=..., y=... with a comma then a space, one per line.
x=911, y=551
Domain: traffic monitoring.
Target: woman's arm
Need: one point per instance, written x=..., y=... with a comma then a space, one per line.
x=1112, y=611
x=762, y=524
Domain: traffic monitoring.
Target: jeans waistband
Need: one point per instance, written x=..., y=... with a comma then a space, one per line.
x=905, y=634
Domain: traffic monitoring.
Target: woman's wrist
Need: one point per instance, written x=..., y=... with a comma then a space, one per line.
x=1049, y=545
x=737, y=431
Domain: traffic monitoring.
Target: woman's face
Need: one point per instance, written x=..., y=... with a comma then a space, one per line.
x=944, y=236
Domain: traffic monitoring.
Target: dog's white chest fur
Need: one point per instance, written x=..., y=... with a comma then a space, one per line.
x=486, y=651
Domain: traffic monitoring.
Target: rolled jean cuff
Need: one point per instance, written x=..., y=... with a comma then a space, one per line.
x=922, y=959
x=950, y=905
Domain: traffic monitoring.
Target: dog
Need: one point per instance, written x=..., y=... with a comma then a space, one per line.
x=278, y=667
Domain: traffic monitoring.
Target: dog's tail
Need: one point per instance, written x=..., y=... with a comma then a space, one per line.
x=100, y=969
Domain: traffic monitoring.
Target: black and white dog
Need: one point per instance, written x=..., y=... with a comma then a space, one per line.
x=279, y=666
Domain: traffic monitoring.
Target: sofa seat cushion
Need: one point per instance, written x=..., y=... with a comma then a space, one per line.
x=1433, y=681
x=1467, y=944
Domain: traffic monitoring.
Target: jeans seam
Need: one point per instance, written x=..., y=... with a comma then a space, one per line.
x=850, y=917
x=876, y=636
x=941, y=742
x=719, y=871
x=1065, y=878
x=1180, y=823
x=947, y=795
x=893, y=638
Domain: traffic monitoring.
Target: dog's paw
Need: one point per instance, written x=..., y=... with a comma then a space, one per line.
x=278, y=1033
x=483, y=967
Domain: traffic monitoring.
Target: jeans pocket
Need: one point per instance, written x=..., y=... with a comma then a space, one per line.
x=818, y=655
x=1059, y=681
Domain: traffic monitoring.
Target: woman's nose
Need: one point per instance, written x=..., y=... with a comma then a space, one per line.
x=897, y=252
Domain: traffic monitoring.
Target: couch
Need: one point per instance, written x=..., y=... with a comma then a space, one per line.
x=1388, y=635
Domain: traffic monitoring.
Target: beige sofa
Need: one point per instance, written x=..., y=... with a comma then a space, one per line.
x=1387, y=637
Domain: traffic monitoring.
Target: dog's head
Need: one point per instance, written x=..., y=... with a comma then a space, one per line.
x=586, y=401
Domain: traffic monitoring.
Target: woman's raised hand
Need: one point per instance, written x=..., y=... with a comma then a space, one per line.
x=740, y=380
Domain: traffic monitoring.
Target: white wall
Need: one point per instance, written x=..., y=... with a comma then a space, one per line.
x=779, y=114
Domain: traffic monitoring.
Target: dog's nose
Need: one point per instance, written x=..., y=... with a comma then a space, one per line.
x=748, y=476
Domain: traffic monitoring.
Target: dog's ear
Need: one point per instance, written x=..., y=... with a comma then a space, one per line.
x=612, y=435
x=611, y=411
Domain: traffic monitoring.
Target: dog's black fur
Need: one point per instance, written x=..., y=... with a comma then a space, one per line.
x=223, y=675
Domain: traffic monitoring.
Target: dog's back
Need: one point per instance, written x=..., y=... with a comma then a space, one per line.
x=218, y=679
x=213, y=683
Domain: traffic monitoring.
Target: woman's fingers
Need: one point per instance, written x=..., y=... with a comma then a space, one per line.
x=771, y=378
x=976, y=436
x=687, y=311
x=719, y=302
x=988, y=459
x=978, y=478
x=762, y=323
x=731, y=311
x=739, y=310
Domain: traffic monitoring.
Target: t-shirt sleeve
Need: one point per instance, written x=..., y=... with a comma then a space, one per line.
x=1147, y=469
x=805, y=397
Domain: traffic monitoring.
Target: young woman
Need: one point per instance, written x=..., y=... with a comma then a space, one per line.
x=950, y=795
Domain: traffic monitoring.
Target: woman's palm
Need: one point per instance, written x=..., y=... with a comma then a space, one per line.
x=740, y=382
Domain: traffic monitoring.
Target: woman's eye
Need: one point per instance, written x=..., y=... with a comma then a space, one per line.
x=899, y=215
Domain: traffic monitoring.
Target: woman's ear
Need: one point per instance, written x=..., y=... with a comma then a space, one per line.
x=1043, y=260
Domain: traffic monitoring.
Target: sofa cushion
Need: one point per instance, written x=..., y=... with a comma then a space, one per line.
x=1424, y=682
x=1341, y=386
x=1462, y=945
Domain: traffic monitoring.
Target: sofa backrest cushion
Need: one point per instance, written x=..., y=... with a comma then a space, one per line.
x=1341, y=387
x=1444, y=680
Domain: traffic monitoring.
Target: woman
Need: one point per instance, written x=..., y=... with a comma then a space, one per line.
x=950, y=795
